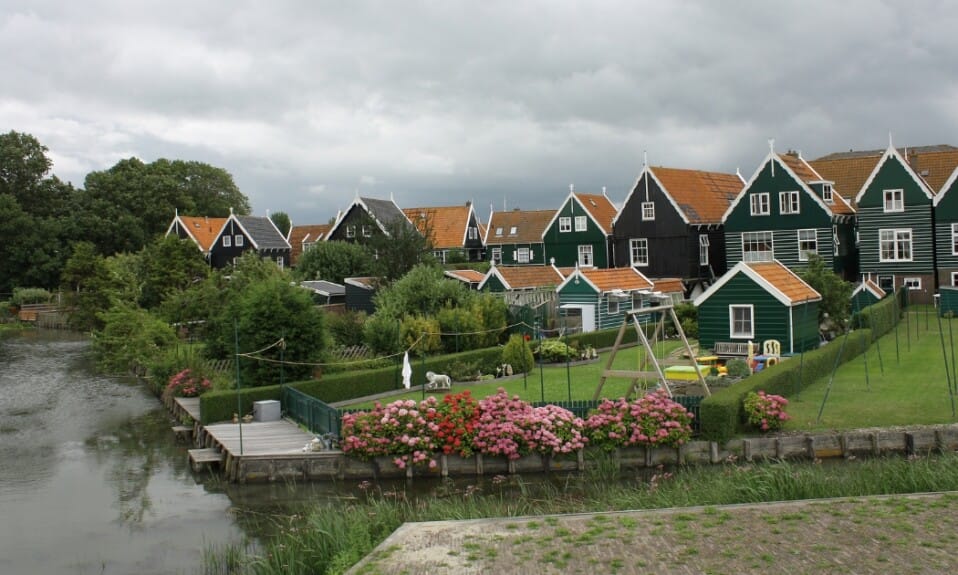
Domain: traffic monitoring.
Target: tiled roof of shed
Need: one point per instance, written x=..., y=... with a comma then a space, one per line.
x=522, y=277
x=785, y=281
x=616, y=278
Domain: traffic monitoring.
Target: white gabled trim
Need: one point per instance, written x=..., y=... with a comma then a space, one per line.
x=493, y=271
x=944, y=189
x=662, y=189
x=485, y=236
x=252, y=240
x=577, y=275
x=178, y=223
x=742, y=267
x=574, y=196
x=773, y=157
x=870, y=287
x=891, y=152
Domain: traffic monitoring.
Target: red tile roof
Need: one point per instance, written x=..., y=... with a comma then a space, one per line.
x=850, y=170
x=309, y=233
x=524, y=277
x=809, y=175
x=203, y=229
x=668, y=285
x=627, y=279
x=529, y=226
x=601, y=208
x=785, y=281
x=702, y=196
x=446, y=224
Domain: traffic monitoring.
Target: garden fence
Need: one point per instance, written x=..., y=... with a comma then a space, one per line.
x=316, y=415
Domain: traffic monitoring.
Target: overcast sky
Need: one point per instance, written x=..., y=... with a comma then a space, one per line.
x=439, y=103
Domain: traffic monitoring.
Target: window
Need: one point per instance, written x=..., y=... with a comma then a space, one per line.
x=238, y=241
x=835, y=240
x=639, y=249
x=367, y=231
x=788, y=202
x=227, y=241
x=912, y=283
x=280, y=262
x=648, y=211
x=757, y=247
x=473, y=233
x=350, y=231
x=636, y=300
x=759, y=204
x=954, y=279
x=565, y=224
x=440, y=255
x=497, y=256
x=613, y=306
x=895, y=245
x=954, y=239
x=894, y=201
x=523, y=255
x=703, y=249
x=887, y=283
x=513, y=230
x=741, y=320
x=807, y=244
x=585, y=256
x=498, y=231
x=827, y=194
x=580, y=225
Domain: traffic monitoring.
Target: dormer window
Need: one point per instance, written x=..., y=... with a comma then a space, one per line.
x=827, y=194
x=648, y=211
x=513, y=230
x=498, y=231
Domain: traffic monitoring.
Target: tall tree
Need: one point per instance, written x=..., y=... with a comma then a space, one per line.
x=282, y=222
x=334, y=262
x=399, y=250
x=170, y=265
x=834, y=310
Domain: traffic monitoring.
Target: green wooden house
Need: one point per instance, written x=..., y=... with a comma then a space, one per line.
x=514, y=238
x=580, y=232
x=865, y=294
x=946, y=232
x=895, y=228
x=757, y=302
x=523, y=285
x=788, y=211
x=595, y=299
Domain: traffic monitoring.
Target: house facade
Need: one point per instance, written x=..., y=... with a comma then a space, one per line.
x=366, y=217
x=785, y=213
x=946, y=232
x=595, y=299
x=670, y=225
x=453, y=231
x=515, y=237
x=202, y=230
x=756, y=302
x=301, y=238
x=249, y=233
x=580, y=232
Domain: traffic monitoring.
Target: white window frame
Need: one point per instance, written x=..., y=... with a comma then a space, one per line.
x=513, y=230
x=585, y=256
x=523, y=255
x=280, y=262
x=913, y=284
x=803, y=254
x=581, y=224
x=703, y=249
x=751, y=321
x=828, y=194
x=881, y=279
x=473, y=233
x=497, y=256
x=238, y=240
x=788, y=202
x=227, y=241
x=351, y=231
x=612, y=303
x=565, y=224
x=367, y=231
x=498, y=232
x=893, y=200
x=648, y=211
x=639, y=247
x=954, y=279
x=753, y=239
x=898, y=241
x=636, y=300
x=954, y=239
x=759, y=204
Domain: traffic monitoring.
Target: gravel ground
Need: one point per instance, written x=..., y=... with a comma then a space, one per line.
x=909, y=534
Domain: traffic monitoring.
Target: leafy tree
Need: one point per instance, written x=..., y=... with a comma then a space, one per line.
x=835, y=308
x=282, y=222
x=23, y=165
x=130, y=339
x=335, y=261
x=495, y=316
x=420, y=335
x=346, y=328
x=381, y=333
x=399, y=250
x=422, y=291
x=205, y=190
x=169, y=265
x=262, y=313
x=86, y=278
x=461, y=327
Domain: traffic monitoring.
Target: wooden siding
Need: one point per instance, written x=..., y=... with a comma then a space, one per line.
x=944, y=256
x=785, y=247
x=772, y=319
x=584, y=294
x=810, y=213
x=221, y=256
x=667, y=234
x=564, y=246
x=510, y=254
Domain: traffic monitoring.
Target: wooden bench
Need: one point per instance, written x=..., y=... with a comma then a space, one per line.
x=731, y=348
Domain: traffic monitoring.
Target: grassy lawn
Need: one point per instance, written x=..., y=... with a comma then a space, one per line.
x=555, y=383
x=912, y=390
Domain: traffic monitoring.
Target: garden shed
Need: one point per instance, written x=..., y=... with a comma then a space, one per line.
x=865, y=294
x=759, y=301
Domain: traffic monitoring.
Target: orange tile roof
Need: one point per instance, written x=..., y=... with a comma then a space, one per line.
x=204, y=229
x=529, y=225
x=785, y=281
x=311, y=233
x=446, y=224
x=520, y=277
x=849, y=174
x=616, y=278
x=601, y=208
x=809, y=174
x=934, y=167
x=875, y=289
x=850, y=170
x=702, y=196
x=668, y=285
x=469, y=276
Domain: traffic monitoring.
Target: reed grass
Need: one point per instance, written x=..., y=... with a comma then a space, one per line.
x=332, y=537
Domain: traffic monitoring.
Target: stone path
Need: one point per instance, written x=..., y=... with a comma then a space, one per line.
x=909, y=534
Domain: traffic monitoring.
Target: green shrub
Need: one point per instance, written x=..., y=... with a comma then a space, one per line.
x=461, y=329
x=518, y=353
x=23, y=296
x=347, y=327
x=688, y=316
x=602, y=339
x=554, y=351
x=420, y=335
x=381, y=334
x=464, y=371
x=130, y=339
x=738, y=368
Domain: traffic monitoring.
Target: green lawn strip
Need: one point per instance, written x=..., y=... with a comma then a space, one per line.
x=555, y=382
x=912, y=391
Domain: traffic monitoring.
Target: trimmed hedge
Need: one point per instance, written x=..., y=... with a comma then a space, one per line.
x=220, y=405
x=601, y=339
x=722, y=414
x=880, y=316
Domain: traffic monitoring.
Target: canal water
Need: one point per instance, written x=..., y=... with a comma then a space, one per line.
x=92, y=479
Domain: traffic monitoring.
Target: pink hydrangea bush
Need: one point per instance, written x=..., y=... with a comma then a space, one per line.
x=502, y=425
x=554, y=430
x=186, y=384
x=652, y=420
x=402, y=429
x=766, y=411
